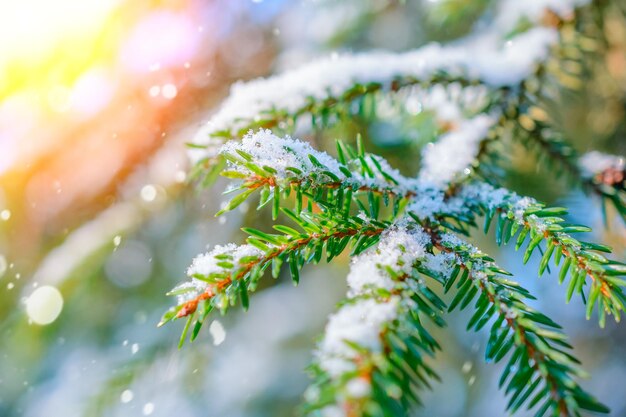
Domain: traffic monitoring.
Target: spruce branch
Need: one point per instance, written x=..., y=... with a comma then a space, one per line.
x=533, y=336
x=325, y=183
x=228, y=273
x=371, y=360
x=540, y=372
x=404, y=232
x=351, y=380
x=281, y=166
x=321, y=86
x=376, y=378
x=596, y=278
x=597, y=174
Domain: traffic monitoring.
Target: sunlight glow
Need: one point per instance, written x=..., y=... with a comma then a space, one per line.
x=35, y=34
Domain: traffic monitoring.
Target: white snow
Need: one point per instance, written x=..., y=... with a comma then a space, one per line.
x=441, y=263
x=519, y=208
x=455, y=151
x=595, y=162
x=280, y=153
x=510, y=12
x=488, y=195
x=367, y=313
x=450, y=103
x=358, y=388
x=398, y=248
x=499, y=62
x=216, y=329
x=485, y=56
x=148, y=409
x=332, y=411
x=360, y=322
x=207, y=263
x=126, y=396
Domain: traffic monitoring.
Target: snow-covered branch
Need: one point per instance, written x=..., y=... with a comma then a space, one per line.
x=384, y=292
x=404, y=230
x=487, y=57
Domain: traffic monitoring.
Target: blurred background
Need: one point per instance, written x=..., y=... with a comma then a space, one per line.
x=97, y=221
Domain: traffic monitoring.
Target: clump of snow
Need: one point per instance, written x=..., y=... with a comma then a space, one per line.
x=441, y=263
x=455, y=151
x=398, y=248
x=452, y=241
x=364, y=273
x=332, y=411
x=207, y=264
x=359, y=322
x=486, y=195
x=218, y=333
x=510, y=203
x=511, y=12
x=595, y=162
x=451, y=103
x=428, y=202
x=507, y=63
x=280, y=153
x=536, y=223
x=519, y=208
x=367, y=313
x=358, y=388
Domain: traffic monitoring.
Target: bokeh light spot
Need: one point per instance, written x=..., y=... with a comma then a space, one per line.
x=148, y=409
x=148, y=193
x=169, y=91
x=5, y=214
x=127, y=396
x=129, y=265
x=3, y=265
x=154, y=91
x=44, y=305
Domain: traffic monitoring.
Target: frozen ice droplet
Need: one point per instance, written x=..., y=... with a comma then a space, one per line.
x=44, y=305
x=127, y=396
x=217, y=332
x=148, y=408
